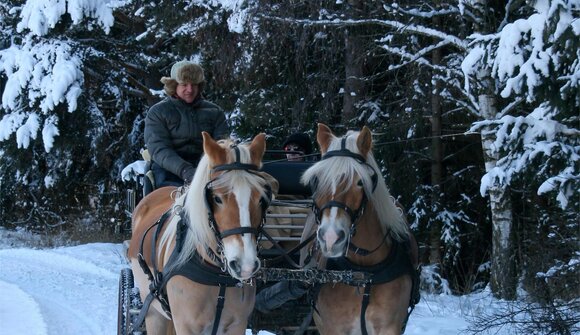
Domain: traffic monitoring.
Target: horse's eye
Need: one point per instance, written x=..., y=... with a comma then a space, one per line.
x=360, y=183
x=217, y=199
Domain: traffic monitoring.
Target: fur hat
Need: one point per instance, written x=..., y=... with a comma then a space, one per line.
x=186, y=72
x=300, y=139
x=183, y=72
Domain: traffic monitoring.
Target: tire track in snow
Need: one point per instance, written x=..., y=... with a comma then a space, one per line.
x=73, y=295
x=18, y=303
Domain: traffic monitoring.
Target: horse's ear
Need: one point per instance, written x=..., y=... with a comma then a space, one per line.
x=324, y=136
x=364, y=142
x=257, y=148
x=216, y=153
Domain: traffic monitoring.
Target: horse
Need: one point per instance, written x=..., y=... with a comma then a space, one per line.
x=193, y=251
x=360, y=228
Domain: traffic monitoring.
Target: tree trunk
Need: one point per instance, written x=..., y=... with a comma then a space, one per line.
x=436, y=161
x=354, y=86
x=503, y=278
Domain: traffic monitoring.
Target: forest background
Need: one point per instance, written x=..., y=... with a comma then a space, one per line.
x=474, y=107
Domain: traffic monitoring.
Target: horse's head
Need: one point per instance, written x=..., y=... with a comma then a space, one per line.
x=236, y=198
x=341, y=183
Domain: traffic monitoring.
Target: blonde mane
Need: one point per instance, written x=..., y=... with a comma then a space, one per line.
x=329, y=173
x=199, y=236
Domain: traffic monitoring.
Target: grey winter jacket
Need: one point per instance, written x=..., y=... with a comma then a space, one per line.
x=173, y=131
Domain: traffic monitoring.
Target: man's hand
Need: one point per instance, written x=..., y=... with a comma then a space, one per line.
x=187, y=174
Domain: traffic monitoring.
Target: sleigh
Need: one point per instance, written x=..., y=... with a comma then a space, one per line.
x=285, y=249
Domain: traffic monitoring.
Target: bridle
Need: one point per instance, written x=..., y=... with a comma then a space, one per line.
x=352, y=213
x=237, y=165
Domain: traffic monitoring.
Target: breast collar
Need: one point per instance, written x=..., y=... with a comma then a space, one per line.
x=396, y=264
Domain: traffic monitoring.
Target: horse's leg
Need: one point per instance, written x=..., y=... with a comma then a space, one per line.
x=193, y=307
x=389, y=308
x=338, y=309
x=156, y=323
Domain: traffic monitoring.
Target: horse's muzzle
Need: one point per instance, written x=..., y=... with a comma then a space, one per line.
x=332, y=242
x=241, y=270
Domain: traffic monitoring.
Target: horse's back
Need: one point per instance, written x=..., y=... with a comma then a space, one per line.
x=147, y=212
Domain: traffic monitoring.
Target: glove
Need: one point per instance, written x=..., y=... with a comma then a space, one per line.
x=187, y=174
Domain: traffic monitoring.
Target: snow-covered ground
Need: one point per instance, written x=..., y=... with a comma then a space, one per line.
x=73, y=290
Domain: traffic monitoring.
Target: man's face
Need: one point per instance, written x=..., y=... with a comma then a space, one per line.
x=296, y=155
x=187, y=92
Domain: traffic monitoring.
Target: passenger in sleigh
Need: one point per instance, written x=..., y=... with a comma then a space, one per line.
x=173, y=126
x=298, y=147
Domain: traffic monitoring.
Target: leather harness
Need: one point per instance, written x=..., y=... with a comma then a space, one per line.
x=395, y=265
x=196, y=269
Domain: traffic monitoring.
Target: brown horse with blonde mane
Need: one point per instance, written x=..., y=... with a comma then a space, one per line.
x=194, y=264
x=360, y=228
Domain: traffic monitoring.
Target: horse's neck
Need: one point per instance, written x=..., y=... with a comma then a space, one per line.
x=370, y=236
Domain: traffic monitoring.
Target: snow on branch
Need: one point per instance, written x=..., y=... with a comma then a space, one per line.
x=523, y=140
x=40, y=76
x=523, y=54
x=401, y=27
x=418, y=57
x=49, y=71
x=239, y=12
x=39, y=16
x=422, y=13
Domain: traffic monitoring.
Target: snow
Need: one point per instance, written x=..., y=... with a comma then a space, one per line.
x=540, y=135
x=39, y=16
x=48, y=83
x=18, y=303
x=133, y=170
x=73, y=290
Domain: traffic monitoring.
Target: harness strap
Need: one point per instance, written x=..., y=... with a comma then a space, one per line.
x=285, y=254
x=239, y=231
x=156, y=283
x=218, y=309
x=142, y=314
x=344, y=152
x=158, y=276
x=364, y=252
x=363, y=309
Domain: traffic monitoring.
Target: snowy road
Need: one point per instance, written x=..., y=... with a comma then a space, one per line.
x=73, y=290
x=60, y=291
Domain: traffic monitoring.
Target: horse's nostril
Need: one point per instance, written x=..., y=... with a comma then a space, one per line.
x=235, y=266
x=341, y=236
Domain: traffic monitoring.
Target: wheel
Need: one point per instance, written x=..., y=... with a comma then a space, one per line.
x=124, y=305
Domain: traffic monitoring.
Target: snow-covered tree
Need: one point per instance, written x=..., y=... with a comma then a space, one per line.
x=58, y=108
x=531, y=60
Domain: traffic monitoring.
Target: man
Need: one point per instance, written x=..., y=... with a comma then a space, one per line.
x=297, y=145
x=173, y=126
